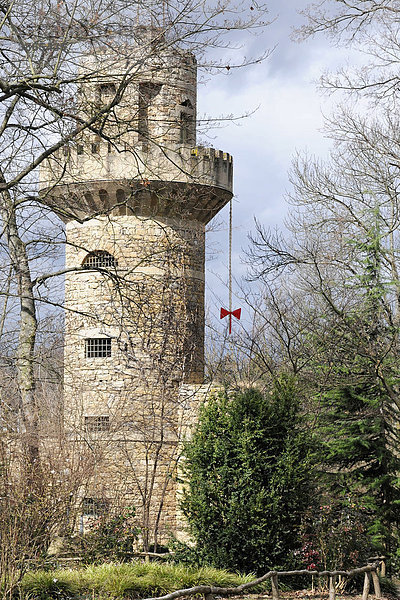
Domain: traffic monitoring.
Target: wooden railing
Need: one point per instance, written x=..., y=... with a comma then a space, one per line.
x=370, y=573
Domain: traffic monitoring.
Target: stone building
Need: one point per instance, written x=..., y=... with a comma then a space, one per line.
x=135, y=201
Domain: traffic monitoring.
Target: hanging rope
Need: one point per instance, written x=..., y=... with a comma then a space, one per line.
x=224, y=313
x=230, y=257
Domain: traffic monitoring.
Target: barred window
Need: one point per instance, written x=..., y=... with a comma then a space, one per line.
x=98, y=347
x=97, y=423
x=107, y=91
x=99, y=259
x=93, y=507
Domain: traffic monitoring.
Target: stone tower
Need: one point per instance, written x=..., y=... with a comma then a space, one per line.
x=135, y=201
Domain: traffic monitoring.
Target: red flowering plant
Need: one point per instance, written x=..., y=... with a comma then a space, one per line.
x=310, y=556
x=335, y=536
x=111, y=536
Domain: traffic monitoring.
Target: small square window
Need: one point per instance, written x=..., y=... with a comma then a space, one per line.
x=94, y=507
x=97, y=423
x=98, y=348
x=79, y=149
x=95, y=148
x=107, y=91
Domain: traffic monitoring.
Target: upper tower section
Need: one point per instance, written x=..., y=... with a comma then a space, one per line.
x=154, y=93
x=138, y=138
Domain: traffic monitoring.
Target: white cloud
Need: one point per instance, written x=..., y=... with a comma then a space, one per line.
x=289, y=118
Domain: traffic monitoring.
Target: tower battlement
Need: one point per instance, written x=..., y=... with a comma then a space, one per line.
x=77, y=183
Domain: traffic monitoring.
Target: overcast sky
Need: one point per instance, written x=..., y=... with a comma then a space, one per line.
x=288, y=118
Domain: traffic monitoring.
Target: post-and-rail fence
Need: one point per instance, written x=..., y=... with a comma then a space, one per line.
x=371, y=573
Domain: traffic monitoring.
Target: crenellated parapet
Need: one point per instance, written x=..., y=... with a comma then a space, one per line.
x=193, y=182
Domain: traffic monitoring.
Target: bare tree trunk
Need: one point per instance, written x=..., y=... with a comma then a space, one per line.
x=27, y=332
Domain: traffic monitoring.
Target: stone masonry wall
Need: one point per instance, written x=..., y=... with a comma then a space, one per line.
x=151, y=306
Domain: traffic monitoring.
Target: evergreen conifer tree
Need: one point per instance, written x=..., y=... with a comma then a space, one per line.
x=359, y=453
x=359, y=421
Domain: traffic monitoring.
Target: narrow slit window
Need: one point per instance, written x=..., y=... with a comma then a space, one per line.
x=97, y=424
x=98, y=347
x=186, y=127
x=147, y=92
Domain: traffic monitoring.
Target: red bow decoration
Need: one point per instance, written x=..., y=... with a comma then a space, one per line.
x=236, y=313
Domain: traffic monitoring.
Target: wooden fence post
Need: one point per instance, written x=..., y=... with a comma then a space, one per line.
x=332, y=589
x=383, y=567
x=370, y=575
x=377, y=586
x=367, y=583
x=274, y=585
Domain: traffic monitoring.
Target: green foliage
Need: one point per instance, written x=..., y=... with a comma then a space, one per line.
x=359, y=456
x=358, y=422
x=389, y=587
x=111, y=536
x=136, y=579
x=42, y=585
x=249, y=475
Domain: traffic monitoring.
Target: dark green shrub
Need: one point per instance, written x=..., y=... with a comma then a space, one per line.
x=249, y=474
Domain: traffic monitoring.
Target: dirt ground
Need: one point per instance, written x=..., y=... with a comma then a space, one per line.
x=308, y=595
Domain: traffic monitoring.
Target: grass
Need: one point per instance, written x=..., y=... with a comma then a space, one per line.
x=123, y=580
x=42, y=585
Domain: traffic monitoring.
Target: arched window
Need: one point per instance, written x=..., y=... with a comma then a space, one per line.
x=103, y=195
x=99, y=259
x=120, y=196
